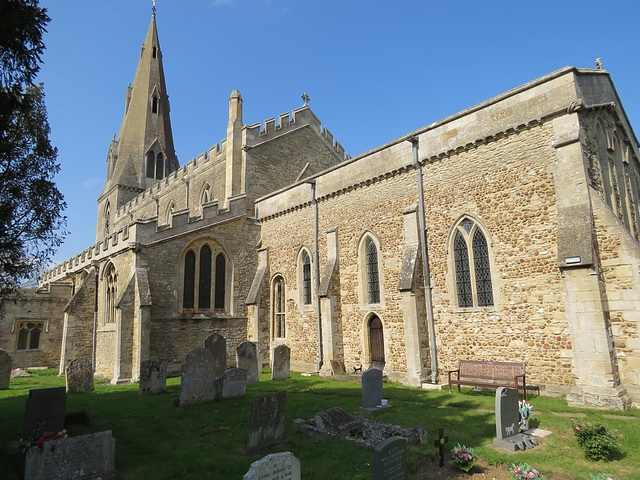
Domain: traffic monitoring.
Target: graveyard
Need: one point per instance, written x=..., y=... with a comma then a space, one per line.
x=154, y=438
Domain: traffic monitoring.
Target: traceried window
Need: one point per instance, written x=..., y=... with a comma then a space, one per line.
x=373, y=279
x=472, y=266
x=156, y=166
x=29, y=335
x=205, y=280
x=279, y=305
x=111, y=280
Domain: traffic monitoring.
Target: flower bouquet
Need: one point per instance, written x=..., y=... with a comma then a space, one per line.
x=463, y=457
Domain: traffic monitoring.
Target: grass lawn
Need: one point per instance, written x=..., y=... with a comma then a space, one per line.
x=157, y=441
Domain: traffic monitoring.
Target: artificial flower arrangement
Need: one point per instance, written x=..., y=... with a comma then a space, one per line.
x=463, y=457
x=524, y=471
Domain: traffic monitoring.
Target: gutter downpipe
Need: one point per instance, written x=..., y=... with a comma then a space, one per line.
x=425, y=262
x=316, y=255
x=95, y=320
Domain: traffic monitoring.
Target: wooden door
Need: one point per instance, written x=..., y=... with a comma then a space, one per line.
x=376, y=343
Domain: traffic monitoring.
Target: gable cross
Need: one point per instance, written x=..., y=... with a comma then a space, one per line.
x=305, y=98
x=439, y=443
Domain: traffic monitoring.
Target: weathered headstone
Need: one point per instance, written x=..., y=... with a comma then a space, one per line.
x=507, y=420
x=48, y=405
x=247, y=358
x=217, y=345
x=266, y=421
x=5, y=369
x=277, y=466
x=390, y=459
x=371, y=391
x=153, y=376
x=79, y=376
x=281, y=363
x=232, y=384
x=85, y=456
x=197, y=384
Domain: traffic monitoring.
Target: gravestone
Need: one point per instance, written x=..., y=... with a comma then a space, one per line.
x=197, y=384
x=247, y=358
x=390, y=459
x=371, y=391
x=281, y=363
x=153, y=376
x=277, y=466
x=232, y=384
x=79, y=374
x=217, y=345
x=5, y=369
x=266, y=422
x=82, y=457
x=507, y=420
x=48, y=405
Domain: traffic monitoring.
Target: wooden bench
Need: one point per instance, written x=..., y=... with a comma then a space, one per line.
x=477, y=373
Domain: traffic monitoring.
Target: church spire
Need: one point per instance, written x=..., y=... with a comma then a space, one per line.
x=143, y=153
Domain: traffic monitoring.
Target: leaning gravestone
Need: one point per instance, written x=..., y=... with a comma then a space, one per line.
x=5, y=369
x=371, y=391
x=266, y=422
x=153, y=376
x=247, y=358
x=390, y=459
x=79, y=376
x=48, y=405
x=277, y=466
x=232, y=384
x=281, y=363
x=507, y=420
x=82, y=457
x=217, y=345
x=197, y=384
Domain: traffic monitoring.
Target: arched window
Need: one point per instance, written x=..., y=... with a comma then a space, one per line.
x=111, y=278
x=154, y=52
x=221, y=278
x=210, y=265
x=159, y=167
x=373, y=280
x=188, y=293
x=279, y=305
x=107, y=219
x=156, y=165
x=29, y=334
x=306, y=278
x=472, y=266
x=205, y=196
x=154, y=105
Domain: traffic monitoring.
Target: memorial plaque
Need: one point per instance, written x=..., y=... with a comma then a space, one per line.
x=266, y=422
x=281, y=363
x=5, y=369
x=247, y=358
x=47, y=405
x=390, y=459
x=153, y=376
x=197, y=384
x=232, y=384
x=277, y=466
x=217, y=345
x=79, y=376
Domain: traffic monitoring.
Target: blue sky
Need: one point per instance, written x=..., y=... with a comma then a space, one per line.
x=375, y=70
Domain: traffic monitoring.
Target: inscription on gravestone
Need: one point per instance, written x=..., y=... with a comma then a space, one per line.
x=507, y=413
x=266, y=422
x=197, y=384
x=79, y=375
x=48, y=405
x=217, y=345
x=5, y=369
x=153, y=376
x=390, y=459
x=277, y=466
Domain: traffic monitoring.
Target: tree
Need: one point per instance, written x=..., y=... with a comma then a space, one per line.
x=31, y=220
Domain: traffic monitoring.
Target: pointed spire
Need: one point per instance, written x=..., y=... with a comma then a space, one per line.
x=144, y=153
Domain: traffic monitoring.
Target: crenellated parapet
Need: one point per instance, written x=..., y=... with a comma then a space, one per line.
x=257, y=133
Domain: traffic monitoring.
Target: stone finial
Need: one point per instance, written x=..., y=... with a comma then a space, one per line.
x=598, y=63
x=305, y=98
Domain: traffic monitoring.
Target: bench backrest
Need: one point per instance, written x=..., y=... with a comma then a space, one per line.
x=490, y=370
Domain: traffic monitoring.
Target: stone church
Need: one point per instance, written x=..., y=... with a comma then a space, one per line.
x=506, y=232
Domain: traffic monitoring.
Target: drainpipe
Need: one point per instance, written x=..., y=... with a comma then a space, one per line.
x=96, y=266
x=425, y=262
x=316, y=255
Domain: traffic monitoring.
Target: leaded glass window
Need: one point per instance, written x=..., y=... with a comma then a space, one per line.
x=29, y=334
x=472, y=266
x=211, y=280
x=306, y=278
x=373, y=280
x=188, y=294
x=279, y=308
x=204, y=278
x=112, y=291
x=221, y=276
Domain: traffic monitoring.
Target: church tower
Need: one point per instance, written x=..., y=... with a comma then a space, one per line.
x=143, y=153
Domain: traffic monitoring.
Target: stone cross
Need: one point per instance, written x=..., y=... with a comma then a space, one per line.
x=305, y=98
x=439, y=443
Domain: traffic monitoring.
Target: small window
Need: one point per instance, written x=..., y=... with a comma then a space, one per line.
x=306, y=279
x=154, y=52
x=29, y=335
x=154, y=105
x=151, y=164
x=279, y=305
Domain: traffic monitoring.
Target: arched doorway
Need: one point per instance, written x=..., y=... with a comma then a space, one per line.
x=376, y=343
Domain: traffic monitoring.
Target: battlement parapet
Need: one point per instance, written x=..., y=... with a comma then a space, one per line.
x=145, y=232
x=258, y=133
